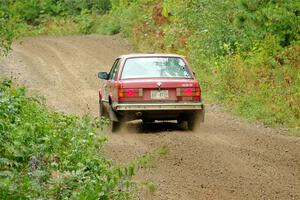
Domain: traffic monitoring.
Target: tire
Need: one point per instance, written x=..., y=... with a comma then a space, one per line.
x=195, y=120
x=191, y=124
x=115, y=126
x=182, y=124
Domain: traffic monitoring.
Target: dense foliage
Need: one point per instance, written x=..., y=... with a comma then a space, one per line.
x=246, y=53
x=50, y=155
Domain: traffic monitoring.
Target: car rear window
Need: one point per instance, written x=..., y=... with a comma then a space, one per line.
x=155, y=67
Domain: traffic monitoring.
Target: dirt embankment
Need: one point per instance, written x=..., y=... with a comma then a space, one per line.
x=225, y=159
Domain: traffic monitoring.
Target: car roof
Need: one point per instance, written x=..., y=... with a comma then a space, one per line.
x=137, y=55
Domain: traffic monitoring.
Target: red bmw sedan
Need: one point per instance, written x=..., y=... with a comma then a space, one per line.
x=150, y=87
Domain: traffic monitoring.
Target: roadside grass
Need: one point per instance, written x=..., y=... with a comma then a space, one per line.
x=61, y=26
x=294, y=132
x=52, y=155
x=54, y=26
x=147, y=161
x=83, y=24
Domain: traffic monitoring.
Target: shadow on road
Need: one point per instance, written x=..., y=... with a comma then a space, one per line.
x=155, y=127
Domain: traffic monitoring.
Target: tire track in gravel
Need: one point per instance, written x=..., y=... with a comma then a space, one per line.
x=226, y=159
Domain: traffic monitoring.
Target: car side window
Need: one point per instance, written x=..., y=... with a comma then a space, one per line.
x=114, y=69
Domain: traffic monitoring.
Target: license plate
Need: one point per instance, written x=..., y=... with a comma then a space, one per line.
x=159, y=94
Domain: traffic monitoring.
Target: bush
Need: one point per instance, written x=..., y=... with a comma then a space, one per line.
x=119, y=20
x=86, y=22
x=108, y=25
x=51, y=155
x=29, y=11
x=75, y=7
x=280, y=18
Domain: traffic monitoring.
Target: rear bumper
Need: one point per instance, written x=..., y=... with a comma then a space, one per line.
x=158, y=106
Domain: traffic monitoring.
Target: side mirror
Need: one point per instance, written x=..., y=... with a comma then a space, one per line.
x=103, y=75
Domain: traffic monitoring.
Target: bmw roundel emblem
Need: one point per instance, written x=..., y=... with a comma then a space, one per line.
x=159, y=84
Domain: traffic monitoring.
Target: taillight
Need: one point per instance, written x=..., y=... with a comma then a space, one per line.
x=198, y=92
x=181, y=92
x=188, y=94
x=188, y=91
x=130, y=93
x=123, y=93
x=120, y=93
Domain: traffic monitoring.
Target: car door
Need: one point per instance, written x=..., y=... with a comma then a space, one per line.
x=111, y=87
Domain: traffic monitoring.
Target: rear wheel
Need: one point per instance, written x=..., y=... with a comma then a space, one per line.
x=193, y=122
x=115, y=126
x=182, y=124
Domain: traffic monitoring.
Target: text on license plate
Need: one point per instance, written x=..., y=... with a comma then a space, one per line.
x=159, y=94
